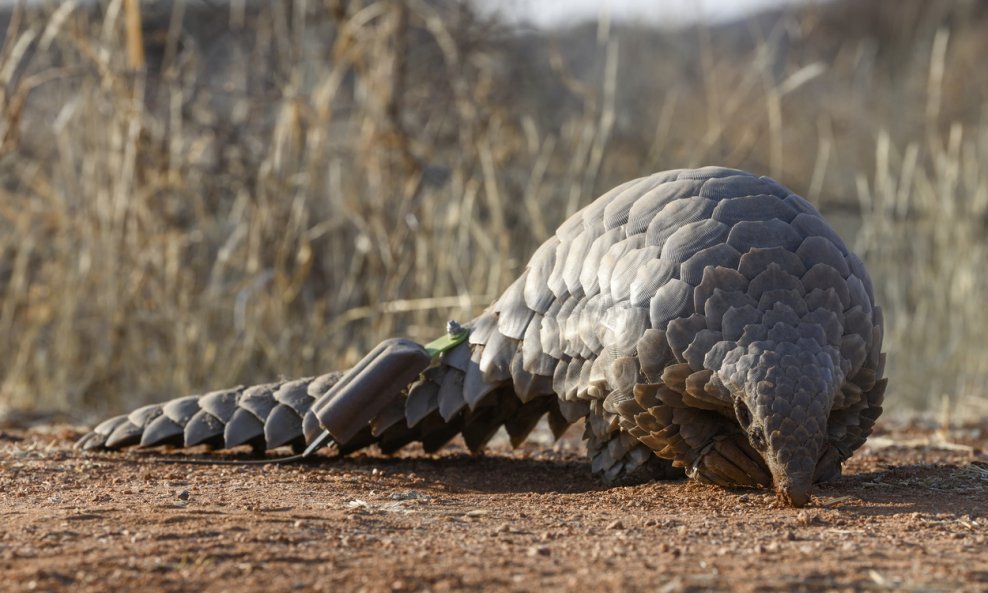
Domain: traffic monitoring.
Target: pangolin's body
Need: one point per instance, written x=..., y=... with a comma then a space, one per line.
x=703, y=319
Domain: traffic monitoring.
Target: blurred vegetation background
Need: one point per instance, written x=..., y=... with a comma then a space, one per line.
x=199, y=194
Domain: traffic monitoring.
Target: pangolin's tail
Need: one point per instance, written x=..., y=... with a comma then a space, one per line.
x=399, y=393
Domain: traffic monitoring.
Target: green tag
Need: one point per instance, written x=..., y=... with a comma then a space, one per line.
x=446, y=343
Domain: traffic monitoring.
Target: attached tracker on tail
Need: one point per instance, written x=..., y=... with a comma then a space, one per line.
x=706, y=319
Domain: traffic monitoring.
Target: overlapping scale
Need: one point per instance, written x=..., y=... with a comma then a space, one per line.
x=648, y=206
x=673, y=300
x=775, y=278
x=550, y=335
x=719, y=255
x=588, y=325
x=823, y=277
x=755, y=261
x=820, y=250
x=618, y=266
x=749, y=234
x=538, y=295
x=682, y=331
x=573, y=344
x=556, y=283
x=618, y=209
x=649, y=278
x=422, y=400
x=534, y=359
x=676, y=215
x=809, y=224
x=450, y=394
x=732, y=185
x=691, y=238
x=589, y=272
x=753, y=207
x=717, y=278
x=513, y=312
x=723, y=302
x=620, y=327
x=576, y=255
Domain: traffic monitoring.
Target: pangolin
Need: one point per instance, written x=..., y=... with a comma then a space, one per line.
x=704, y=321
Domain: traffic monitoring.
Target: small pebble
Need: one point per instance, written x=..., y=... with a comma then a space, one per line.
x=615, y=524
x=539, y=551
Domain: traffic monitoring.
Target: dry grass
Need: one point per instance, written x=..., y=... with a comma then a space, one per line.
x=283, y=184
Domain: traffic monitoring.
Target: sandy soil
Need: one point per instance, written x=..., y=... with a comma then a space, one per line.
x=909, y=514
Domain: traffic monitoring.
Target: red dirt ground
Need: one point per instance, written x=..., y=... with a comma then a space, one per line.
x=909, y=514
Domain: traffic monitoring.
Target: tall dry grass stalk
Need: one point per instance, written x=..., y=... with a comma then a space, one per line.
x=283, y=184
x=338, y=180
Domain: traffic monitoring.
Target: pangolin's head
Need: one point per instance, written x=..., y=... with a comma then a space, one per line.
x=782, y=404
